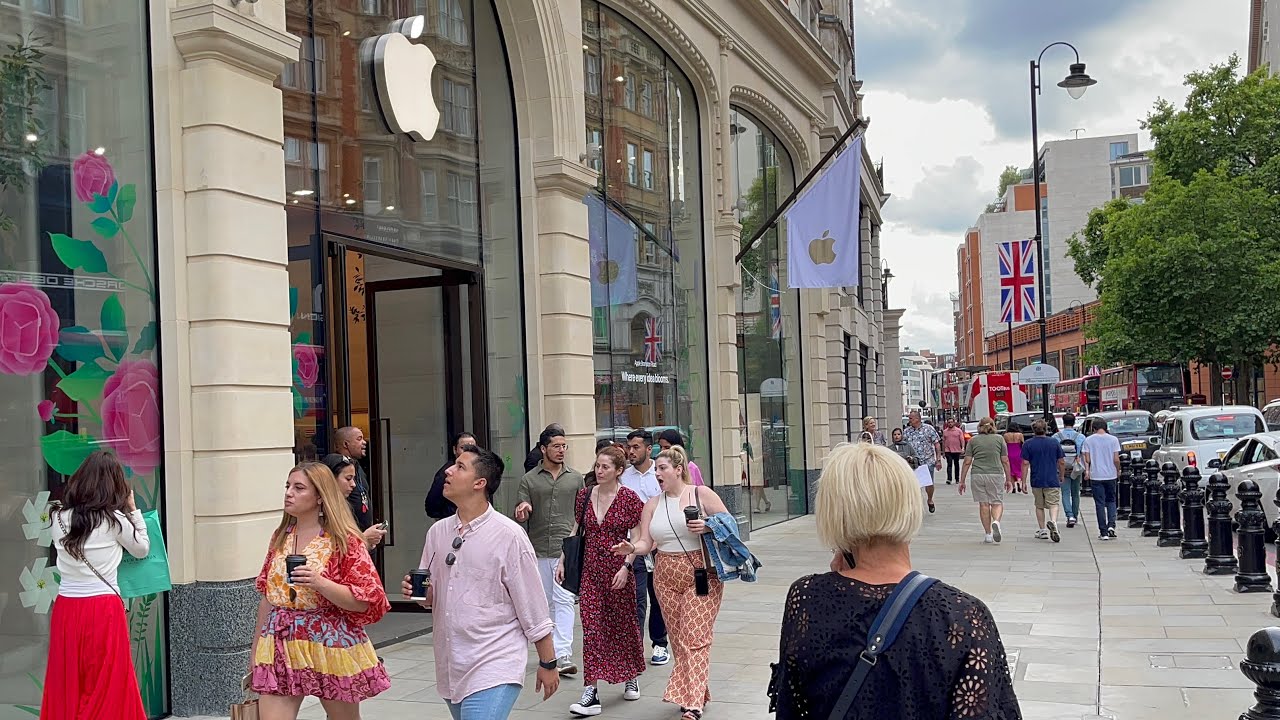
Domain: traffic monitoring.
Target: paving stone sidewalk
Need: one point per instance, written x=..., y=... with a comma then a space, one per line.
x=1118, y=629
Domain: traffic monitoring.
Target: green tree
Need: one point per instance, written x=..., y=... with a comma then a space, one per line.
x=1011, y=175
x=1193, y=272
x=761, y=200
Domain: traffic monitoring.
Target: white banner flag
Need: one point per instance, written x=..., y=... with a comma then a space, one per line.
x=822, y=227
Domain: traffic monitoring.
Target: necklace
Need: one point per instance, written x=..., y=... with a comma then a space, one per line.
x=596, y=499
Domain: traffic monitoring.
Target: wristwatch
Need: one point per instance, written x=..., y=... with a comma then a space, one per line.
x=629, y=565
x=548, y=665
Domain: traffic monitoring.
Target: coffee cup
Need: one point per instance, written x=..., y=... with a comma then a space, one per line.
x=419, y=581
x=291, y=563
x=691, y=513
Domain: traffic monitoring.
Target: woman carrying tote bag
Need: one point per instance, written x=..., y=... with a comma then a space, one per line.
x=90, y=673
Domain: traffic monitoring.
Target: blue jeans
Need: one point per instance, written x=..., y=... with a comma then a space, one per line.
x=646, y=596
x=1104, y=501
x=494, y=703
x=1071, y=496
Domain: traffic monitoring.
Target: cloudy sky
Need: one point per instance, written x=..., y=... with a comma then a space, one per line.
x=947, y=89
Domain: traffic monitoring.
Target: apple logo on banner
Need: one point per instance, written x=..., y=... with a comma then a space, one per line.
x=822, y=251
x=401, y=73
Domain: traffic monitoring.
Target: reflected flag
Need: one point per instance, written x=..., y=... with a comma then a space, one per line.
x=1017, y=261
x=775, y=304
x=652, y=340
x=612, y=240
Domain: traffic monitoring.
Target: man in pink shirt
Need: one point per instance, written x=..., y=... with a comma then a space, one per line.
x=486, y=595
x=953, y=448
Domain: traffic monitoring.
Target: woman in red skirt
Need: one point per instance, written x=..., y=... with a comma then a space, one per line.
x=90, y=673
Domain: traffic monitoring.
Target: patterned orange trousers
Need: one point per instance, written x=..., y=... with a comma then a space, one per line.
x=691, y=622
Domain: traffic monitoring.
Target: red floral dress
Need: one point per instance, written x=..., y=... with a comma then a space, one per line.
x=612, y=648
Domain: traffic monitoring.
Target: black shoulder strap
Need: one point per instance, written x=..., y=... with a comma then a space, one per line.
x=884, y=630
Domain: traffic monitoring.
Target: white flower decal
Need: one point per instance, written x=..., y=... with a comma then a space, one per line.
x=39, y=588
x=37, y=526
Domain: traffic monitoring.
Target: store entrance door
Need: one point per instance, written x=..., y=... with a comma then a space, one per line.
x=411, y=361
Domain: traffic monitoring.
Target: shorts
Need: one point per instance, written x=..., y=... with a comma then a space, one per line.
x=987, y=488
x=1047, y=497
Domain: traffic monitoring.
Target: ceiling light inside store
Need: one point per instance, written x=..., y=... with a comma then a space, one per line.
x=619, y=79
x=304, y=193
x=346, y=195
x=351, y=201
x=391, y=207
x=32, y=137
x=100, y=151
x=345, y=33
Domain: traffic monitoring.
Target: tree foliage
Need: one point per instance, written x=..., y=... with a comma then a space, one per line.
x=1011, y=175
x=1193, y=271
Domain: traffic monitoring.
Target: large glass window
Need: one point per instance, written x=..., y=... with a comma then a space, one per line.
x=645, y=220
x=769, y=376
x=78, y=319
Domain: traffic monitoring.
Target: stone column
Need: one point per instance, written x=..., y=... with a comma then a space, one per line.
x=890, y=374
x=726, y=278
x=224, y=326
x=838, y=383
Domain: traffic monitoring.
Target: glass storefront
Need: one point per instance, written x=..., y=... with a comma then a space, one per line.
x=645, y=216
x=771, y=415
x=404, y=256
x=78, y=330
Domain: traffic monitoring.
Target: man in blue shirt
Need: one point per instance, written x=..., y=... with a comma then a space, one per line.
x=1042, y=461
x=1101, y=453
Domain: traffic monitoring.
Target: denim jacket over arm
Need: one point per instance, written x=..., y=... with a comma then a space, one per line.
x=732, y=559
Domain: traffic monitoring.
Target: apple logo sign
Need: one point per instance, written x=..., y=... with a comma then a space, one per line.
x=822, y=251
x=401, y=74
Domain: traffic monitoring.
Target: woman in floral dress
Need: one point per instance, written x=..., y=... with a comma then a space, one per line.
x=612, y=648
x=311, y=638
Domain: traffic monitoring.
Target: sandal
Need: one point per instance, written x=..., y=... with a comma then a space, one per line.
x=690, y=714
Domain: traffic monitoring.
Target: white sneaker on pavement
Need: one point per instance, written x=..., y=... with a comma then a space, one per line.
x=632, y=690
x=1042, y=534
x=660, y=655
x=995, y=530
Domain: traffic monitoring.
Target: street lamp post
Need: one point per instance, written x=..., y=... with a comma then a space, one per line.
x=1076, y=82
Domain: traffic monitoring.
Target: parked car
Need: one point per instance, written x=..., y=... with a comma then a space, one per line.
x=1201, y=435
x=1271, y=414
x=1021, y=422
x=970, y=429
x=1135, y=429
x=1254, y=458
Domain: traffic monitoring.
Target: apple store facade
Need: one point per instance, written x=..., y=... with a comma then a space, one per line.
x=418, y=218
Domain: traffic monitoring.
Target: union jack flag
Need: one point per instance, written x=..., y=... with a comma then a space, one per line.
x=1017, y=281
x=775, y=305
x=652, y=340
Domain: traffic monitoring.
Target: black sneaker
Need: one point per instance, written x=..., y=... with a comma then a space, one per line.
x=1104, y=537
x=1111, y=533
x=588, y=705
x=1071, y=522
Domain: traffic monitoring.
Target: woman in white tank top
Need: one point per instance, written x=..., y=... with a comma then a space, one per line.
x=691, y=617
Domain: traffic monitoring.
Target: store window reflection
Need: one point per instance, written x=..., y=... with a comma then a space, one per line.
x=645, y=220
x=771, y=419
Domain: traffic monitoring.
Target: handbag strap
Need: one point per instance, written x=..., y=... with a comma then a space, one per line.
x=82, y=558
x=706, y=556
x=884, y=630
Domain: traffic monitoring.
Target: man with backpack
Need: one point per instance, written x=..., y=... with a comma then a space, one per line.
x=1073, y=471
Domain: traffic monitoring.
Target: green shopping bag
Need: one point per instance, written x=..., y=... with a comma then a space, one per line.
x=148, y=575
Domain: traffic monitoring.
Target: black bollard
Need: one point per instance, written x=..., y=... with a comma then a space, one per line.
x=1194, y=544
x=1124, y=498
x=1170, y=517
x=1261, y=664
x=1138, y=515
x=1222, y=538
x=1151, y=527
x=1252, y=575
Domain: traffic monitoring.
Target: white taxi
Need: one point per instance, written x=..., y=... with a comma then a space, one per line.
x=1200, y=436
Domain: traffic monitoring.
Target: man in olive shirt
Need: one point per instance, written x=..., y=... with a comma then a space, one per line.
x=546, y=502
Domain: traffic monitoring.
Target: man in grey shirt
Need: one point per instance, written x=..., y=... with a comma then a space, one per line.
x=1101, y=454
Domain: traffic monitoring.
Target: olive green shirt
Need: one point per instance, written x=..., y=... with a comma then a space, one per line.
x=988, y=452
x=553, y=501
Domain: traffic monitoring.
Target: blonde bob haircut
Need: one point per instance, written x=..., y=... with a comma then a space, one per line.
x=986, y=426
x=867, y=495
x=678, y=459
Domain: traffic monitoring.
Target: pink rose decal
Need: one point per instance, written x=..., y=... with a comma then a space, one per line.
x=307, y=361
x=131, y=414
x=28, y=329
x=45, y=408
x=93, y=175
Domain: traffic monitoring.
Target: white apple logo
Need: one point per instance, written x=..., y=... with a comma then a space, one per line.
x=402, y=83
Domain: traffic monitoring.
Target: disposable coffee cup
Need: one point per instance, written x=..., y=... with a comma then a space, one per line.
x=691, y=513
x=291, y=563
x=419, y=580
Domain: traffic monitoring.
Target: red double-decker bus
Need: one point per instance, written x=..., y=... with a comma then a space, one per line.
x=1079, y=396
x=1142, y=386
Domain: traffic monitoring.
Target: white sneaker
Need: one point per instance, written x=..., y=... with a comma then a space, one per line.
x=588, y=705
x=631, y=690
x=995, y=530
x=565, y=666
x=987, y=539
x=1042, y=534
x=660, y=655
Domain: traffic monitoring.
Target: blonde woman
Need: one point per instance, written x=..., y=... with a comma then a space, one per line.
x=690, y=617
x=869, y=425
x=311, y=638
x=986, y=470
x=948, y=661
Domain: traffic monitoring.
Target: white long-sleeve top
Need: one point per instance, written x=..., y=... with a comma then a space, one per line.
x=104, y=549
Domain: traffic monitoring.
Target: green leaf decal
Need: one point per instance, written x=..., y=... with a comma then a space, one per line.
x=147, y=338
x=65, y=452
x=293, y=303
x=106, y=227
x=299, y=403
x=78, y=254
x=85, y=384
x=304, y=338
x=79, y=344
x=124, y=203
x=100, y=203
x=113, y=327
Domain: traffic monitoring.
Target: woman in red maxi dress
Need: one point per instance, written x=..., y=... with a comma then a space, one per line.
x=612, y=647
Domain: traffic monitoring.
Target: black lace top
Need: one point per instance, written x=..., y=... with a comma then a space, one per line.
x=948, y=662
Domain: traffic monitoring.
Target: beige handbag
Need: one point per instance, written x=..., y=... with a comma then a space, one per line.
x=247, y=710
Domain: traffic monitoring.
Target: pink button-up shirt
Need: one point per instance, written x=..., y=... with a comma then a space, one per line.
x=953, y=440
x=488, y=606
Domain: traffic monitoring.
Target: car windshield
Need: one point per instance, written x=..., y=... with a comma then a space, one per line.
x=1134, y=425
x=1225, y=426
x=1159, y=376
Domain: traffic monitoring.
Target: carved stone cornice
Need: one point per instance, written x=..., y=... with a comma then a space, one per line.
x=571, y=178
x=212, y=31
x=773, y=116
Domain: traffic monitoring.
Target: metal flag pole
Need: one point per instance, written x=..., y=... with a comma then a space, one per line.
x=800, y=187
x=1010, y=346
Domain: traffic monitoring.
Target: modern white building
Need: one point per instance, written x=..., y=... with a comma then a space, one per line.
x=917, y=374
x=1264, y=15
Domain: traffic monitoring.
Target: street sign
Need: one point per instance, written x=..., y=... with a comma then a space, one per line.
x=1228, y=372
x=1038, y=374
